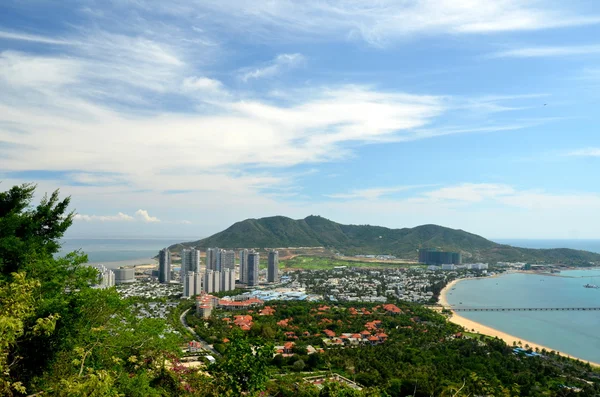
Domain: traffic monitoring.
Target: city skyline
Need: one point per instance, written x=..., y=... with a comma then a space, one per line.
x=472, y=115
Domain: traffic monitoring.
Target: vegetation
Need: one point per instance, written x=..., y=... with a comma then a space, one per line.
x=59, y=336
x=423, y=355
x=318, y=263
x=315, y=231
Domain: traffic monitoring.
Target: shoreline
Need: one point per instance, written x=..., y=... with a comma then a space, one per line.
x=473, y=326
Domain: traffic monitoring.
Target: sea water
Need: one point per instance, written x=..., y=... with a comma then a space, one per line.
x=576, y=333
x=118, y=252
x=586, y=245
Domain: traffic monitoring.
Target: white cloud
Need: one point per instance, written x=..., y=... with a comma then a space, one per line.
x=278, y=65
x=140, y=215
x=203, y=84
x=587, y=152
x=145, y=217
x=104, y=218
x=533, y=52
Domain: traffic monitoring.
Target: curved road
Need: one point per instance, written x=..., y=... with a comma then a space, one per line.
x=203, y=343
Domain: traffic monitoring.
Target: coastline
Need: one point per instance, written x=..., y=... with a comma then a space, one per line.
x=473, y=326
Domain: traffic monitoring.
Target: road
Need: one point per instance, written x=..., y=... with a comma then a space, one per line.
x=203, y=343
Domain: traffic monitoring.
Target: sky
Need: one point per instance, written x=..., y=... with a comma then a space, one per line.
x=179, y=118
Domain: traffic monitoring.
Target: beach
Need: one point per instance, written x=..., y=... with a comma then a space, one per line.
x=476, y=327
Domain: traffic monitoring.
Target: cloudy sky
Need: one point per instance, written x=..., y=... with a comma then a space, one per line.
x=179, y=118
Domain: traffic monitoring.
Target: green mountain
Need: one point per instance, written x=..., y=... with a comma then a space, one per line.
x=316, y=231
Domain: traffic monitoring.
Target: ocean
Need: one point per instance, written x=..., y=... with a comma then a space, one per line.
x=119, y=252
x=571, y=332
x=586, y=245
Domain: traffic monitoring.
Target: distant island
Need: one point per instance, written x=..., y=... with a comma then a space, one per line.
x=316, y=231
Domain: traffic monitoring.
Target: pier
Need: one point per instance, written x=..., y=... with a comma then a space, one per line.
x=521, y=309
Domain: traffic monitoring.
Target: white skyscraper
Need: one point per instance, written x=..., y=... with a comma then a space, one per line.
x=208, y=282
x=253, y=267
x=273, y=267
x=192, y=284
x=225, y=283
x=106, y=277
x=216, y=281
x=244, y=266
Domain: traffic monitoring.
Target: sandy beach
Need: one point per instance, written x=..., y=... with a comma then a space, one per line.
x=476, y=327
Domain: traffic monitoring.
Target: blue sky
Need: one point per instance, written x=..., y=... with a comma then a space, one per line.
x=179, y=118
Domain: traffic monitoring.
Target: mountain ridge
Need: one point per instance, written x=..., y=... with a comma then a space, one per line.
x=317, y=231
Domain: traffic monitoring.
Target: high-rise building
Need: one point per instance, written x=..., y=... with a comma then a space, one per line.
x=244, y=266
x=190, y=262
x=124, y=275
x=226, y=280
x=208, y=282
x=216, y=281
x=192, y=284
x=227, y=259
x=164, y=266
x=231, y=279
x=430, y=256
x=273, y=267
x=106, y=277
x=253, y=267
x=211, y=258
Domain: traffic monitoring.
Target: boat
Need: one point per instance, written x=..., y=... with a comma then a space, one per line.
x=591, y=286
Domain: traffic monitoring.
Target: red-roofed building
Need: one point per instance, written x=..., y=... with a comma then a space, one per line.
x=392, y=309
x=267, y=311
x=243, y=321
x=329, y=333
x=287, y=347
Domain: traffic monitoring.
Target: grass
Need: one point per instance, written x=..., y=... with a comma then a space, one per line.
x=320, y=263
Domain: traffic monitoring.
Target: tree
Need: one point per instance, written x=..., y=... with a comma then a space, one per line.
x=244, y=368
x=57, y=334
x=27, y=233
x=16, y=299
x=298, y=365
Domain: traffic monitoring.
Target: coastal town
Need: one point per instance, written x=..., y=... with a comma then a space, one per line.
x=248, y=291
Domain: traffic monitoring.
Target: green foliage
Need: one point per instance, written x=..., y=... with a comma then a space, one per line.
x=57, y=334
x=244, y=368
x=315, y=231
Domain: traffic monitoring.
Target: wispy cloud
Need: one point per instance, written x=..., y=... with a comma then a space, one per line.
x=587, y=152
x=281, y=63
x=140, y=216
x=539, y=52
x=4, y=35
x=373, y=193
x=471, y=192
x=385, y=20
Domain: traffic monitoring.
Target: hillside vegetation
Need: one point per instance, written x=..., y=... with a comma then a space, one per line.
x=316, y=231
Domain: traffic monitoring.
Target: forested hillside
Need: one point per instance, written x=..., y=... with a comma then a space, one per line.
x=316, y=231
